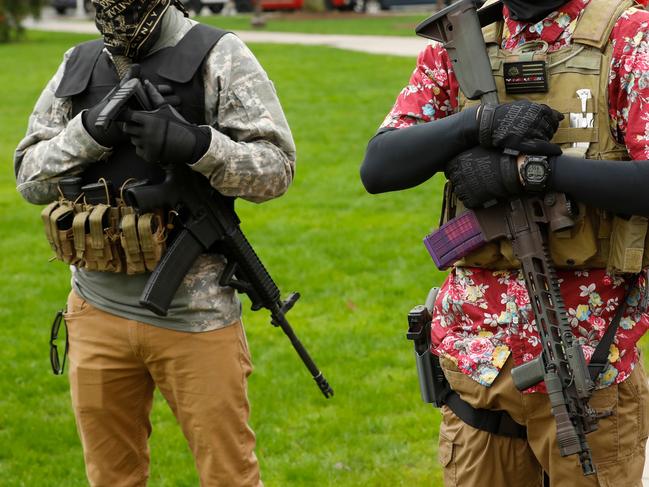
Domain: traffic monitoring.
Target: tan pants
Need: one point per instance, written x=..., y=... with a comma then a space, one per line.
x=115, y=364
x=473, y=458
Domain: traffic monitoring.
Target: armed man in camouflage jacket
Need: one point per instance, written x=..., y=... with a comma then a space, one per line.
x=229, y=126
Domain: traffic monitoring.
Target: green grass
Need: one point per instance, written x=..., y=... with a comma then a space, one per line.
x=356, y=259
x=392, y=24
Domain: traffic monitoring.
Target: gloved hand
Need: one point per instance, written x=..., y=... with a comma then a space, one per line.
x=163, y=135
x=520, y=125
x=167, y=93
x=110, y=137
x=480, y=176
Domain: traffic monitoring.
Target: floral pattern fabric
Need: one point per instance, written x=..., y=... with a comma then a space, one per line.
x=483, y=316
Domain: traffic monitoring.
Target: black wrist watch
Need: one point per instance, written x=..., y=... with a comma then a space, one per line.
x=535, y=173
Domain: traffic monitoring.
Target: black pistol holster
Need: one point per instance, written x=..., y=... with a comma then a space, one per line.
x=436, y=390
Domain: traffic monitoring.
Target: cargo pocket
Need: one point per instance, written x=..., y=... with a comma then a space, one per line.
x=605, y=441
x=633, y=394
x=626, y=466
x=445, y=456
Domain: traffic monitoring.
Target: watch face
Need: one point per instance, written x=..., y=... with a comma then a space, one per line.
x=535, y=172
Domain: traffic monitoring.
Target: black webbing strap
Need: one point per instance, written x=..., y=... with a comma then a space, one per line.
x=494, y=422
x=599, y=359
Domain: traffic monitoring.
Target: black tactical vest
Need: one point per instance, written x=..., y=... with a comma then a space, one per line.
x=90, y=75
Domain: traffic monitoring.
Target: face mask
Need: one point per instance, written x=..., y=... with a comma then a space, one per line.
x=532, y=11
x=131, y=27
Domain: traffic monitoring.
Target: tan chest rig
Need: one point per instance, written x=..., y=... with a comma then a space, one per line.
x=105, y=237
x=598, y=239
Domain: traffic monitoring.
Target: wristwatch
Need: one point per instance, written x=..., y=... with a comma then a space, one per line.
x=535, y=173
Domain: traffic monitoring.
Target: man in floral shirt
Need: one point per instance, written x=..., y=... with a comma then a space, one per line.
x=483, y=324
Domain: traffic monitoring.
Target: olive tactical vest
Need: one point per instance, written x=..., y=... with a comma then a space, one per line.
x=598, y=239
x=90, y=75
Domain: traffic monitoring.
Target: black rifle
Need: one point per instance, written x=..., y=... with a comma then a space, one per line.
x=525, y=222
x=209, y=224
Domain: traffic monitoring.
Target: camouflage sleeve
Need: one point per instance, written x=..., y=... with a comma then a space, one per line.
x=252, y=153
x=54, y=145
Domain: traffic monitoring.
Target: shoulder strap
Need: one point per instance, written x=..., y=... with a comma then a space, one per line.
x=599, y=359
x=181, y=62
x=78, y=68
x=596, y=23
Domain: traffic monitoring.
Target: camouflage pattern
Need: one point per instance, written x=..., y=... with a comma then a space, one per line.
x=254, y=161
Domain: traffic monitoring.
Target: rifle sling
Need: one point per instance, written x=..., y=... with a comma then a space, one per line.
x=599, y=360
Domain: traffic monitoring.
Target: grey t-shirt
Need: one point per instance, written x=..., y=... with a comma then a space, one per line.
x=200, y=304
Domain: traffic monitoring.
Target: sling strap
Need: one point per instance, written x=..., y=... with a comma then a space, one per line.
x=599, y=359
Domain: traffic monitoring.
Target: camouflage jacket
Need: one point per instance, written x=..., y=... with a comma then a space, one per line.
x=254, y=161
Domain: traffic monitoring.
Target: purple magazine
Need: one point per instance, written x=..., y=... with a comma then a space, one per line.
x=455, y=239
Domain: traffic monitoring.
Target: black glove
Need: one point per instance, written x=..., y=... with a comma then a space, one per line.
x=480, y=176
x=168, y=94
x=163, y=135
x=110, y=137
x=522, y=125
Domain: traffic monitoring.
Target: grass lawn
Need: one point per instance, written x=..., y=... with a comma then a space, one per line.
x=332, y=23
x=357, y=260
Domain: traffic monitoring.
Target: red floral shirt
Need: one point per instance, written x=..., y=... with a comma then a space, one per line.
x=482, y=316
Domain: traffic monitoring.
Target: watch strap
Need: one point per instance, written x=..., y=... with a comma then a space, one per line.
x=510, y=174
x=487, y=115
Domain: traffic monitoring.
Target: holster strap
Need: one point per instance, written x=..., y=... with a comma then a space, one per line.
x=495, y=422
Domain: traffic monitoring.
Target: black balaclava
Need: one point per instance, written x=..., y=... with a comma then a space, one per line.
x=131, y=27
x=532, y=11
